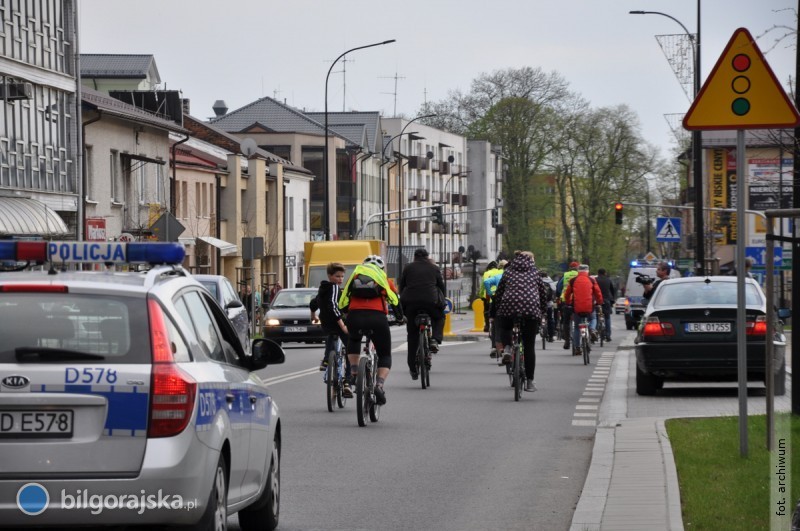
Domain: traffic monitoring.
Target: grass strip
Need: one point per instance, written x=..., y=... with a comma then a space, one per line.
x=719, y=488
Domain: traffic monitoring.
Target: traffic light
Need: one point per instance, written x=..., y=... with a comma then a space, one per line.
x=618, y=211
x=495, y=217
x=436, y=215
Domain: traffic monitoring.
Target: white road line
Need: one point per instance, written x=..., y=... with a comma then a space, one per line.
x=578, y=414
x=585, y=406
x=292, y=376
x=591, y=400
x=584, y=423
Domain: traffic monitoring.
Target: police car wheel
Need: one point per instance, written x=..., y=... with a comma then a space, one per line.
x=263, y=514
x=215, y=516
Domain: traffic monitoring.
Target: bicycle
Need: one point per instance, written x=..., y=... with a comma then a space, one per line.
x=586, y=342
x=367, y=405
x=543, y=331
x=335, y=373
x=601, y=324
x=423, y=322
x=518, y=360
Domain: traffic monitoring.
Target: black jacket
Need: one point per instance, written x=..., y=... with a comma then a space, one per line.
x=327, y=302
x=421, y=284
x=607, y=289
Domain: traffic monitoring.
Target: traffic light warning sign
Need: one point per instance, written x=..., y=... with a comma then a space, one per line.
x=741, y=92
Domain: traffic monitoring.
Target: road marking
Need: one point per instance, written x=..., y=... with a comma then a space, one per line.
x=292, y=376
x=586, y=410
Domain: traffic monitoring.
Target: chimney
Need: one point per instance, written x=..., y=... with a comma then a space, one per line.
x=220, y=108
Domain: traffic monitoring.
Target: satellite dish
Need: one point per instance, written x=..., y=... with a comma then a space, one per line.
x=248, y=147
x=451, y=159
x=429, y=154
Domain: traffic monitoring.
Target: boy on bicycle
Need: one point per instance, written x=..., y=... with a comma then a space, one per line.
x=327, y=302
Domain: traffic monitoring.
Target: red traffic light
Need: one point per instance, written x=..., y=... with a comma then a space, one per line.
x=617, y=206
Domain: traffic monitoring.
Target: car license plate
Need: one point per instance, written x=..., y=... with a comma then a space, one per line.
x=296, y=329
x=52, y=423
x=708, y=327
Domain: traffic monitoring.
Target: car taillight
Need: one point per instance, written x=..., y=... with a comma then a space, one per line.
x=757, y=327
x=172, y=391
x=654, y=327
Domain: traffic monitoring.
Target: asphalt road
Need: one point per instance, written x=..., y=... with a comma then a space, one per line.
x=460, y=455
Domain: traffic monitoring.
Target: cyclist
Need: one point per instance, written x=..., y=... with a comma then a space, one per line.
x=367, y=294
x=521, y=293
x=327, y=302
x=551, y=320
x=491, y=278
x=422, y=291
x=582, y=293
x=566, y=314
x=609, y=295
x=491, y=270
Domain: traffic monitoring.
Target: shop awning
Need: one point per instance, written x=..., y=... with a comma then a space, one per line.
x=226, y=248
x=23, y=216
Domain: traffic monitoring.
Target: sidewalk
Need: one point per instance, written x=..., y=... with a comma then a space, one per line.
x=461, y=325
x=632, y=481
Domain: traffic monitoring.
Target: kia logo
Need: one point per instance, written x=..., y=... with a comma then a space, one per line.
x=16, y=382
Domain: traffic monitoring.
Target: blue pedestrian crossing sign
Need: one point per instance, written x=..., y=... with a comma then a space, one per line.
x=668, y=229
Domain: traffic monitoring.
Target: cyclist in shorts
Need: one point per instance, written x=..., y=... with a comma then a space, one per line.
x=327, y=302
x=367, y=296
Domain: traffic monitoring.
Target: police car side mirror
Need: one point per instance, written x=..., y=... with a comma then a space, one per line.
x=265, y=352
x=234, y=304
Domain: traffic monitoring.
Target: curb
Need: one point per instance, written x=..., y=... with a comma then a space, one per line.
x=674, y=514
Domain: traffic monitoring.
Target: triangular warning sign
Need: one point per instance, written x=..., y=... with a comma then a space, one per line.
x=741, y=92
x=668, y=230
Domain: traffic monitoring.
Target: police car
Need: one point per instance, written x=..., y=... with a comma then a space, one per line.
x=126, y=397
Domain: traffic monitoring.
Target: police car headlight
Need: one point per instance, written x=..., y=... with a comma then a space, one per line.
x=272, y=322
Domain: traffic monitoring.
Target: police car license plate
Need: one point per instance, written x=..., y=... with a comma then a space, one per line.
x=296, y=329
x=51, y=423
x=708, y=327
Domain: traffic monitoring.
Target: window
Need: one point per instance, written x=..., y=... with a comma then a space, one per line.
x=197, y=200
x=180, y=351
x=113, y=174
x=141, y=182
x=290, y=225
x=196, y=315
x=305, y=215
x=160, y=192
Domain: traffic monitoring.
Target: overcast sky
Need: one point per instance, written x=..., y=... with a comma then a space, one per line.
x=241, y=50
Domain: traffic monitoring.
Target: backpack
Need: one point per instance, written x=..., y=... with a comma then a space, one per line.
x=365, y=287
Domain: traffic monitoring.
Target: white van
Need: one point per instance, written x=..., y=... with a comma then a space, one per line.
x=634, y=292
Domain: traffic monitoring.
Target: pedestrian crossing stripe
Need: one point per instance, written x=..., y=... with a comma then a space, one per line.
x=668, y=229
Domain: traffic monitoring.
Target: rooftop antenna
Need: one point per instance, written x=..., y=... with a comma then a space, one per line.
x=395, y=77
x=343, y=71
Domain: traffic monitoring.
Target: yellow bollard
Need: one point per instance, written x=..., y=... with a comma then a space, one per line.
x=477, y=309
x=448, y=325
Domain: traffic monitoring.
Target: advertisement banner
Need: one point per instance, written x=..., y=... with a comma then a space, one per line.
x=718, y=169
x=95, y=230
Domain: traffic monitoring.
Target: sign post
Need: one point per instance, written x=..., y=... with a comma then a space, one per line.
x=742, y=93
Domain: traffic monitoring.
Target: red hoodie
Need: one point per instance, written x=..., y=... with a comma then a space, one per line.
x=583, y=293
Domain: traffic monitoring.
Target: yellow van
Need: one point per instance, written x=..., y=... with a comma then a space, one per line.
x=349, y=253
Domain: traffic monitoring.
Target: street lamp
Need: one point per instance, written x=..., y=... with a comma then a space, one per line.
x=385, y=205
x=697, y=148
x=325, y=208
x=452, y=222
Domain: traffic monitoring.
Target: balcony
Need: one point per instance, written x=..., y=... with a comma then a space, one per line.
x=417, y=226
x=417, y=162
x=444, y=167
x=464, y=200
x=412, y=195
x=436, y=196
x=455, y=199
x=435, y=165
x=422, y=194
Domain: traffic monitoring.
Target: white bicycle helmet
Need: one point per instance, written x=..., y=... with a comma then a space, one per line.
x=375, y=259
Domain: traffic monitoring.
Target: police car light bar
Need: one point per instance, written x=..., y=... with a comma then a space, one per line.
x=93, y=252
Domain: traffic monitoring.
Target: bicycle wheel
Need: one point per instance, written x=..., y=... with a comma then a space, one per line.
x=374, y=408
x=422, y=367
x=586, y=348
x=516, y=373
x=332, y=380
x=362, y=393
x=543, y=333
x=340, y=376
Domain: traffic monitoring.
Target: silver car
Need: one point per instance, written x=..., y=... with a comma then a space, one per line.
x=127, y=397
x=222, y=290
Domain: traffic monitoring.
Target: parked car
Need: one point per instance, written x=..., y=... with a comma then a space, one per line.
x=288, y=317
x=223, y=292
x=620, y=305
x=127, y=398
x=689, y=332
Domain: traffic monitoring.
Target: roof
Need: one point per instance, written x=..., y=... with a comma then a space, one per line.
x=371, y=120
x=218, y=137
x=271, y=116
x=113, y=107
x=122, y=66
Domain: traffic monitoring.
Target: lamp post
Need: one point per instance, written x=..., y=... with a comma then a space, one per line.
x=697, y=148
x=400, y=192
x=325, y=208
x=385, y=205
